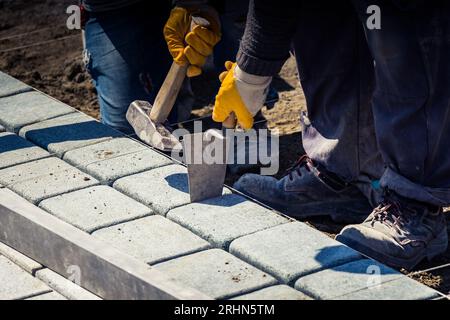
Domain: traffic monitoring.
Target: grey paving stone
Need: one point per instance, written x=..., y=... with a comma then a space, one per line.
x=216, y=273
x=95, y=207
x=19, y=259
x=162, y=189
x=152, y=239
x=65, y=287
x=221, y=220
x=67, y=132
x=351, y=277
x=44, y=178
x=280, y=292
x=10, y=86
x=116, y=158
x=292, y=250
x=16, y=150
x=403, y=288
x=30, y=107
x=17, y=283
x=48, y=296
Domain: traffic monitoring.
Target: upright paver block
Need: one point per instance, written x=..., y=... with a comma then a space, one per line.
x=292, y=250
x=48, y=296
x=65, y=287
x=68, y=132
x=30, y=107
x=152, y=239
x=162, y=189
x=95, y=207
x=351, y=277
x=280, y=292
x=10, y=86
x=116, y=158
x=16, y=150
x=216, y=273
x=44, y=178
x=19, y=259
x=221, y=220
x=17, y=283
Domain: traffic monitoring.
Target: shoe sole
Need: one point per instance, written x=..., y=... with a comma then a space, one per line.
x=435, y=247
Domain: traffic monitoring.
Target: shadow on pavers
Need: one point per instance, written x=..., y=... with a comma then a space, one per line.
x=71, y=132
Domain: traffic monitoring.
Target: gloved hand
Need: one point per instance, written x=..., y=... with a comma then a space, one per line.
x=241, y=93
x=193, y=46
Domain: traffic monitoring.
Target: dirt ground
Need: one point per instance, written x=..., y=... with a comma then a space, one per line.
x=37, y=48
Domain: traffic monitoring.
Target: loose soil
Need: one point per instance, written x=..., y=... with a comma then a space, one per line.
x=52, y=63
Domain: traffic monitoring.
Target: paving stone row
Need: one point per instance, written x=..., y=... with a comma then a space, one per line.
x=45, y=178
x=147, y=213
x=95, y=207
x=24, y=278
x=221, y=220
x=162, y=188
x=29, y=107
x=15, y=150
x=116, y=158
x=61, y=134
x=10, y=86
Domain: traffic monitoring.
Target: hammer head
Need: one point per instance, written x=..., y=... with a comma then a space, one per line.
x=154, y=134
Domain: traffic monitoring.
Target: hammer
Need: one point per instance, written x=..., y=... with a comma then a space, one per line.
x=147, y=120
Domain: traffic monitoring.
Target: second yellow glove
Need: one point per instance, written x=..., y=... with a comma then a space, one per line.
x=192, y=47
x=241, y=93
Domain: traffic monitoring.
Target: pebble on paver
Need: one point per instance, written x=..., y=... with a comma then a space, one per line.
x=44, y=178
x=17, y=283
x=64, y=286
x=29, y=107
x=280, y=292
x=292, y=250
x=67, y=132
x=163, y=188
x=116, y=158
x=16, y=150
x=10, y=86
x=216, y=273
x=221, y=220
x=347, y=278
x=152, y=239
x=94, y=208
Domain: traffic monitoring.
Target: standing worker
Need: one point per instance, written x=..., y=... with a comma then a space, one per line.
x=378, y=124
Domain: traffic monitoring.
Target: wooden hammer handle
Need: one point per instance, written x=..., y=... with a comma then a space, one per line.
x=165, y=99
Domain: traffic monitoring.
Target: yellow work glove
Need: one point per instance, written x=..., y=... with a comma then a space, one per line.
x=241, y=93
x=191, y=47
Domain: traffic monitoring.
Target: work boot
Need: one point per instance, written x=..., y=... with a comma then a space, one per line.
x=399, y=232
x=307, y=190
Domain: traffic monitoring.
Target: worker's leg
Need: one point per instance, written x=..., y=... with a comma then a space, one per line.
x=127, y=58
x=336, y=76
x=336, y=73
x=412, y=121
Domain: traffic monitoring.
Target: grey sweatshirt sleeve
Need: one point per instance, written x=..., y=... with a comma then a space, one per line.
x=269, y=31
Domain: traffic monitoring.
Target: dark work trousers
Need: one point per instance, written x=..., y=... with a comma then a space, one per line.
x=379, y=100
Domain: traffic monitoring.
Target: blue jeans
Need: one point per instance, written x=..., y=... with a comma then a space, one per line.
x=128, y=58
x=379, y=100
